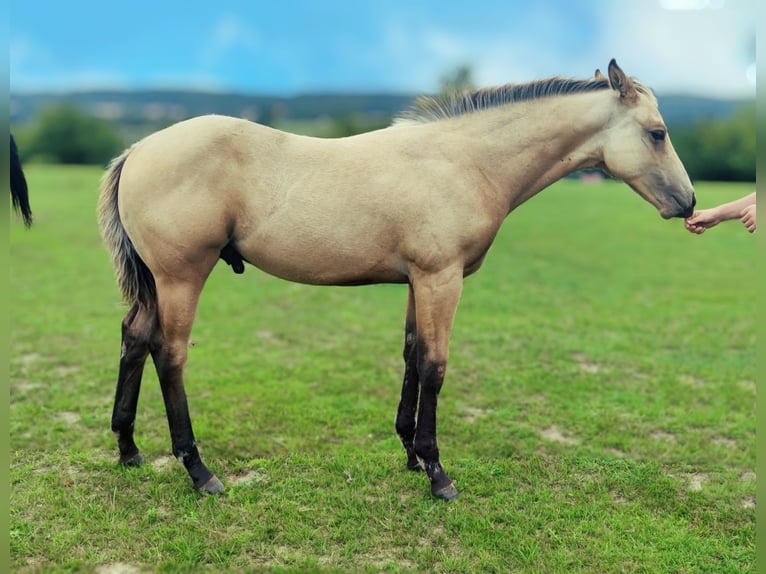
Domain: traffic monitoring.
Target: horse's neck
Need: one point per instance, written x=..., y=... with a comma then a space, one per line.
x=525, y=147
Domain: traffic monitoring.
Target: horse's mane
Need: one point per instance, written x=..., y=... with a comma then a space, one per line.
x=431, y=108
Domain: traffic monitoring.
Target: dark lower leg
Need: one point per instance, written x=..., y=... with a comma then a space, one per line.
x=182, y=439
x=426, y=447
x=408, y=403
x=124, y=413
x=135, y=349
x=405, y=416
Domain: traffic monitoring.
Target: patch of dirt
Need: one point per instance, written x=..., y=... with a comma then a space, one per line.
x=725, y=442
x=67, y=417
x=748, y=502
x=382, y=561
x=747, y=476
x=619, y=499
x=636, y=374
x=266, y=335
x=663, y=436
x=254, y=476
x=36, y=563
x=118, y=568
x=692, y=381
x=694, y=480
x=28, y=358
x=554, y=433
x=471, y=414
x=747, y=385
x=25, y=386
x=163, y=463
x=616, y=452
x=66, y=370
x=586, y=365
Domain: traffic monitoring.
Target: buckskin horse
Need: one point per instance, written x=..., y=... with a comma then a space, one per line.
x=417, y=203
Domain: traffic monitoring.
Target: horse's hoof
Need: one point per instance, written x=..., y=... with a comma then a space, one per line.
x=448, y=492
x=212, y=486
x=133, y=460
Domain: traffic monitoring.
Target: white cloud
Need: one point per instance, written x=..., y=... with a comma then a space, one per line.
x=229, y=33
x=692, y=4
x=707, y=52
x=671, y=45
x=417, y=56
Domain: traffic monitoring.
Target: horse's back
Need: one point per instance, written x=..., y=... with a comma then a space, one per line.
x=325, y=211
x=201, y=146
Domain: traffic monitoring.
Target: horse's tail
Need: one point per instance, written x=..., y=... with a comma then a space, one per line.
x=19, y=190
x=133, y=276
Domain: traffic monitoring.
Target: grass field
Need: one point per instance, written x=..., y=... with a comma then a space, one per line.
x=598, y=413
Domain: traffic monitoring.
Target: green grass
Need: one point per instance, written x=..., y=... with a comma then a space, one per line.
x=598, y=413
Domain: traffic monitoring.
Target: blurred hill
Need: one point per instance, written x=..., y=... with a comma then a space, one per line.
x=715, y=138
x=144, y=111
x=149, y=109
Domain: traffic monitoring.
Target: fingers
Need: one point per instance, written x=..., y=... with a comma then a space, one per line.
x=704, y=218
x=748, y=218
x=692, y=226
x=698, y=229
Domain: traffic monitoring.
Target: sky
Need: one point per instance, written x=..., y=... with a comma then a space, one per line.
x=289, y=47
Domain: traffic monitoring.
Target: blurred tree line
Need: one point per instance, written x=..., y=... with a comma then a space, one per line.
x=66, y=134
x=721, y=149
x=713, y=149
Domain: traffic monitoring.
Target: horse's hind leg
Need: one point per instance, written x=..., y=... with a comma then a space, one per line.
x=177, y=305
x=408, y=404
x=138, y=327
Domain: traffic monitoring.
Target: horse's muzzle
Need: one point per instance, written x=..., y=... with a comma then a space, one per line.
x=689, y=211
x=681, y=210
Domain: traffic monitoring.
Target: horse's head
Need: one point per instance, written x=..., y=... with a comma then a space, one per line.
x=637, y=149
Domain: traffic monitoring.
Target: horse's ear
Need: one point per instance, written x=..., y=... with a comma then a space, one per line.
x=598, y=75
x=618, y=80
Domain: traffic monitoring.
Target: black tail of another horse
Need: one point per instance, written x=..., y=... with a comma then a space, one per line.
x=19, y=191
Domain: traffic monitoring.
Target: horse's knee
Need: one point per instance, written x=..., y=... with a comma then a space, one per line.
x=139, y=330
x=431, y=373
x=171, y=357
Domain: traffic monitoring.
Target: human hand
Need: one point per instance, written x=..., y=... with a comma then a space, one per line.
x=702, y=220
x=747, y=217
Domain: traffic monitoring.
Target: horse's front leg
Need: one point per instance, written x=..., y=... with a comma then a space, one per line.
x=408, y=404
x=436, y=298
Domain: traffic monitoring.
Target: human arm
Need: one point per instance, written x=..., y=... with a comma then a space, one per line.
x=707, y=218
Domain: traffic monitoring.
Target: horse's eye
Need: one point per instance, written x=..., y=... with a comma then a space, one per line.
x=657, y=135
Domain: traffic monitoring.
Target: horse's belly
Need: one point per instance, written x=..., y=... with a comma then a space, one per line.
x=304, y=259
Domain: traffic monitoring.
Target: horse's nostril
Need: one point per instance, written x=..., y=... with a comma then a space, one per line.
x=694, y=200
